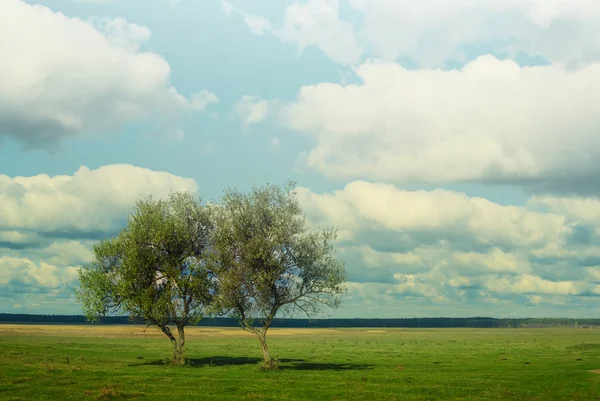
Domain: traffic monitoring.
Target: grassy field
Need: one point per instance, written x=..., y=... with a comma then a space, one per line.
x=123, y=362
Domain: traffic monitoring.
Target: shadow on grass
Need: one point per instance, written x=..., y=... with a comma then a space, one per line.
x=214, y=361
x=285, y=364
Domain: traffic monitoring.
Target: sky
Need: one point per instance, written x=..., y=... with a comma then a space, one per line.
x=452, y=144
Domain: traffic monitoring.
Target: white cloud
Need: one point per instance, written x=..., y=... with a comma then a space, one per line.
x=257, y=24
x=251, y=110
x=68, y=76
x=495, y=261
x=434, y=31
x=24, y=272
x=374, y=258
x=67, y=253
x=36, y=287
x=87, y=201
x=492, y=121
x=316, y=23
x=120, y=33
x=201, y=100
x=443, y=215
x=445, y=250
x=49, y=224
x=312, y=23
x=16, y=237
x=533, y=285
x=579, y=209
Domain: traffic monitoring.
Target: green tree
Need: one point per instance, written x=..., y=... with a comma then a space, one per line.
x=155, y=269
x=269, y=264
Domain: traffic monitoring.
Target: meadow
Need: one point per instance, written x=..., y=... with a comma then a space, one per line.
x=53, y=362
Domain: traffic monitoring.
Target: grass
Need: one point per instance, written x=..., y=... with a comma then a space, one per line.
x=123, y=362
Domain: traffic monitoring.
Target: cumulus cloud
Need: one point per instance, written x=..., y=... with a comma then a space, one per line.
x=121, y=33
x=434, y=216
x=251, y=110
x=48, y=226
x=492, y=121
x=433, y=31
x=307, y=24
x=68, y=76
x=581, y=210
x=532, y=285
x=201, y=100
x=24, y=272
x=67, y=253
x=316, y=23
x=440, y=249
x=86, y=202
x=36, y=287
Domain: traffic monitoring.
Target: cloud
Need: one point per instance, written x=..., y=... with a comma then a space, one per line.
x=201, y=100
x=257, y=24
x=48, y=226
x=492, y=122
x=432, y=216
x=36, y=287
x=120, y=33
x=69, y=77
x=316, y=23
x=442, y=251
x=67, y=253
x=581, y=210
x=24, y=272
x=533, y=285
x=86, y=202
x=437, y=33
x=251, y=110
x=433, y=31
x=306, y=24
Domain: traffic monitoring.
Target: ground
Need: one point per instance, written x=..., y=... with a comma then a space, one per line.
x=125, y=362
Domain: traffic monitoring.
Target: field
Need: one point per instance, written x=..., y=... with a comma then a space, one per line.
x=124, y=362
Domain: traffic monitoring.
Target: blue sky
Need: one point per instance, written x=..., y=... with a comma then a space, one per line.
x=453, y=144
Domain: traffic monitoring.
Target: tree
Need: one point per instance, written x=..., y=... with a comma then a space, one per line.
x=268, y=263
x=155, y=269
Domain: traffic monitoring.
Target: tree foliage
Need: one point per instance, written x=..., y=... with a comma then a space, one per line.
x=268, y=263
x=251, y=256
x=155, y=269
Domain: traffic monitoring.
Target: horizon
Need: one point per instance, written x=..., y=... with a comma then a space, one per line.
x=458, y=165
x=320, y=318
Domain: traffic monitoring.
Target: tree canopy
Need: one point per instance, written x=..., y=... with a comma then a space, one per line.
x=267, y=261
x=155, y=269
x=251, y=256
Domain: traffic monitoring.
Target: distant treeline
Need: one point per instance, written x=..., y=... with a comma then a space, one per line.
x=429, y=322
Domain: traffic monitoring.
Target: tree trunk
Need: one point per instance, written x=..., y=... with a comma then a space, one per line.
x=268, y=363
x=178, y=344
x=178, y=347
x=264, y=347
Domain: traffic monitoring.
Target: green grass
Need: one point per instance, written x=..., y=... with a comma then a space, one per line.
x=103, y=363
